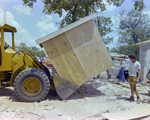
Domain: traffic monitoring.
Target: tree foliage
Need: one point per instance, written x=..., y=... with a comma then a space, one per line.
x=35, y=51
x=114, y=50
x=134, y=27
x=139, y=4
x=104, y=26
x=77, y=9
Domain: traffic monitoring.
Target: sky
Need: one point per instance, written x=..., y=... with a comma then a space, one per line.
x=32, y=23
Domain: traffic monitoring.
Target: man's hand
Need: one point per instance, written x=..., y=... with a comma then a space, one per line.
x=147, y=76
x=137, y=80
x=139, y=75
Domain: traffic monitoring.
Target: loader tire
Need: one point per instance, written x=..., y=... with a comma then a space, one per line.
x=31, y=85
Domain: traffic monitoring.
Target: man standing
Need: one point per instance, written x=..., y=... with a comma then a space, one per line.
x=133, y=79
x=121, y=72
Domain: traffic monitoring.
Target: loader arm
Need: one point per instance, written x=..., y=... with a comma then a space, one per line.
x=27, y=60
x=31, y=62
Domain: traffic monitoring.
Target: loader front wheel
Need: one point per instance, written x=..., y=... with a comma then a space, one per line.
x=31, y=85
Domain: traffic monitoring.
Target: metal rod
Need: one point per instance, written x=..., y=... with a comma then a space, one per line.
x=4, y=17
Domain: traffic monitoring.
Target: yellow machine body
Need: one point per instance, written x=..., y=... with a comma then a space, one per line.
x=12, y=62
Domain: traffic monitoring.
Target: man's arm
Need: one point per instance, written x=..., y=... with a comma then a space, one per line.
x=120, y=59
x=148, y=73
x=139, y=75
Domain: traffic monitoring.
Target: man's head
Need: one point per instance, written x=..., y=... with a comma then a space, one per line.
x=132, y=57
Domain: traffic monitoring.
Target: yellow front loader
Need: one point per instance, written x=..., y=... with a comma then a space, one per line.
x=30, y=79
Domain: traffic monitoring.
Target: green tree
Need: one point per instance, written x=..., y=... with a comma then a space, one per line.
x=42, y=53
x=104, y=26
x=23, y=47
x=34, y=50
x=107, y=48
x=77, y=9
x=138, y=4
x=134, y=27
x=114, y=49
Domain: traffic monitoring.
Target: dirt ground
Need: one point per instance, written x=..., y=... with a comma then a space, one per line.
x=88, y=103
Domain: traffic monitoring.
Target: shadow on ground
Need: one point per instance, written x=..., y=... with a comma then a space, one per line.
x=6, y=92
x=85, y=90
x=124, y=98
x=146, y=94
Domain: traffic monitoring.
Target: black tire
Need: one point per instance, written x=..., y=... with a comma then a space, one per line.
x=29, y=80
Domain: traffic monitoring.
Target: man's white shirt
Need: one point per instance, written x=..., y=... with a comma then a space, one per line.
x=123, y=63
x=133, y=68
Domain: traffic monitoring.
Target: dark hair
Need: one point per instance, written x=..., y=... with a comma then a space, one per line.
x=132, y=56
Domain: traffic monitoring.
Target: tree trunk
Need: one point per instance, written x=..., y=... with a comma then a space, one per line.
x=86, y=7
x=135, y=36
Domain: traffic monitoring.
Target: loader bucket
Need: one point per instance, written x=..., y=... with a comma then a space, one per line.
x=64, y=89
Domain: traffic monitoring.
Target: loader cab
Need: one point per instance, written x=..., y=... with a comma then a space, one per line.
x=6, y=53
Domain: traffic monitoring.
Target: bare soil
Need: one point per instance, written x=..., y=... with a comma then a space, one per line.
x=92, y=99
